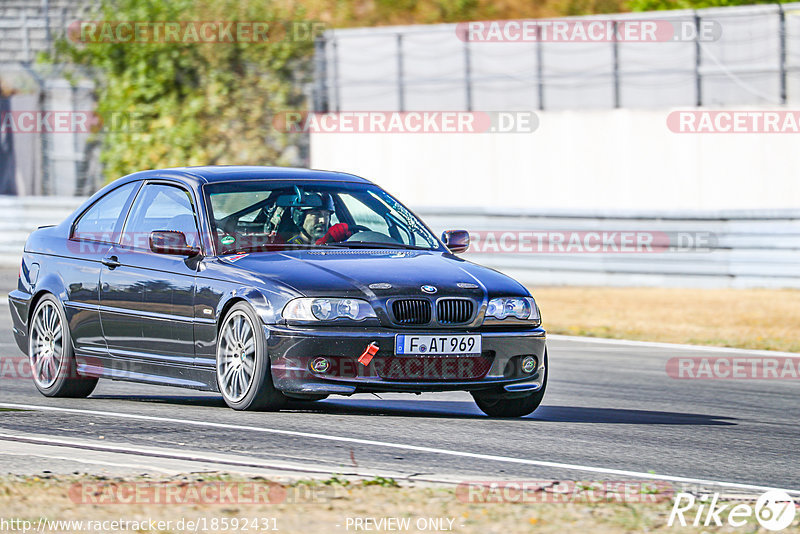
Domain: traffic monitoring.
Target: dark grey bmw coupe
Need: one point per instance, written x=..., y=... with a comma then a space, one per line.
x=268, y=284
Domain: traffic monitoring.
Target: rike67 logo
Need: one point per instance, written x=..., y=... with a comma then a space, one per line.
x=775, y=510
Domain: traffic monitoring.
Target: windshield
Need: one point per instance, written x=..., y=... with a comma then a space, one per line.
x=270, y=215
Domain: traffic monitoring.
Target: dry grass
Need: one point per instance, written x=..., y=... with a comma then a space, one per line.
x=746, y=318
x=326, y=506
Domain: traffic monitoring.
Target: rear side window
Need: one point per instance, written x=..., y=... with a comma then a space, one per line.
x=103, y=220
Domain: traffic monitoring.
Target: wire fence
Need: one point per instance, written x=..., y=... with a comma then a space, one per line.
x=39, y=161
x=733, y=56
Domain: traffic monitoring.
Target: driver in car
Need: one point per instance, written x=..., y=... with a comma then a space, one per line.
x=314, y=221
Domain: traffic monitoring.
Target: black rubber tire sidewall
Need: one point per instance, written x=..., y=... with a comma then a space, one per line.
x=262, y=395
x=69, y=383
x=495, y=405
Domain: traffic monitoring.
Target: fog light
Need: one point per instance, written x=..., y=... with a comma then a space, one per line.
x=320, y=365
x=529, y=364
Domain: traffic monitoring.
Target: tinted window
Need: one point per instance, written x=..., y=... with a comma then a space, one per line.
x=160, y=207
x=102, y=221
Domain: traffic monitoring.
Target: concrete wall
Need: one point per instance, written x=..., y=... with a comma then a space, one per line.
x=607, y=160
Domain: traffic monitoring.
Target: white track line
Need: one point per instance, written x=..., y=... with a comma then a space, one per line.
x=372, y=443
x=85, y=462
x=671, y=346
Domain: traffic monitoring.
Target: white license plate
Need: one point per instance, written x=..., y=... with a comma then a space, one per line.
x=443, y=344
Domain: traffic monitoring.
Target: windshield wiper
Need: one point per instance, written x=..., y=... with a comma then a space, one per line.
x=375, y=244
x=268, y=246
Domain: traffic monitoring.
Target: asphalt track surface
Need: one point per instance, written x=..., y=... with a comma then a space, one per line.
x=611, y=412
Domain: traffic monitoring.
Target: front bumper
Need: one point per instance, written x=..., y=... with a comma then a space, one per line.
x=292, y=350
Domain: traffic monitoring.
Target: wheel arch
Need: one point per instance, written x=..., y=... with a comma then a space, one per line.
x=252, y=296
x=51, y=284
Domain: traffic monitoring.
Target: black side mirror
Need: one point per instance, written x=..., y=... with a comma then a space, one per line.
x=171, y=242
x=456, y=240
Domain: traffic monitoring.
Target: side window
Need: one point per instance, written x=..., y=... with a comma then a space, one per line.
x=160, y=207
x=102, y=221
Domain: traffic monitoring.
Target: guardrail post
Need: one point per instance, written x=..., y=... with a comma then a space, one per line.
x=615, y=44
x=540, y=67
x=697, y=60
x=320, y=75
x=401, y=97
x=467, y=70
x=782, y=52
x=336, y=85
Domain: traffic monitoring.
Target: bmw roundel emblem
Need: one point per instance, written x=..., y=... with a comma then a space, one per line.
x=429, y=289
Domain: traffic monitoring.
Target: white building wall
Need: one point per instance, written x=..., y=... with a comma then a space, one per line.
x=603, y=159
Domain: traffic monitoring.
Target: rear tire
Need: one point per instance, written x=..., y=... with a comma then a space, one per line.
x=52, y=357
x=501, y=404
x=244, y=374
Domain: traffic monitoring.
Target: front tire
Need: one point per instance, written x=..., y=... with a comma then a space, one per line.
x=52, y=357
x=501, y=404
x=244, y=375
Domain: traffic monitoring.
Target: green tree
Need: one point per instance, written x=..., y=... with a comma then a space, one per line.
x=193, y=103
x=656, y=5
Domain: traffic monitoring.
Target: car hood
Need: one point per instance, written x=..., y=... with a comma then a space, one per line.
x=348, y=272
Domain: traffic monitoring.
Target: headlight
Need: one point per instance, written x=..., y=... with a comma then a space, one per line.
x=313, y=309
x=523, y=308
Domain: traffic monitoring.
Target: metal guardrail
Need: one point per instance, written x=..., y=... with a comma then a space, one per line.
x=19, y=216
x=753, y=248
x=749, y=248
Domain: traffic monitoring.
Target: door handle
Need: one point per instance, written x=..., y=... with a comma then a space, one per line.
x=112, y=262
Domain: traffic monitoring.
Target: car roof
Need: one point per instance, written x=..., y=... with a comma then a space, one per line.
x=231, y=173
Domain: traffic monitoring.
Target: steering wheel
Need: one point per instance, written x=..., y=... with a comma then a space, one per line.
x=358, y=228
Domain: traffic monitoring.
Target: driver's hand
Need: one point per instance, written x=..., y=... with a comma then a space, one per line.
x=337, y=232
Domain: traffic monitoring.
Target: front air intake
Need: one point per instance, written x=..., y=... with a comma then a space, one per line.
x=411, y=311
x=453, y=311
